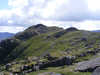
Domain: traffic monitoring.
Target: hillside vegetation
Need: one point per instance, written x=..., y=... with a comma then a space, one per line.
x=39, y=43
x=66, y=42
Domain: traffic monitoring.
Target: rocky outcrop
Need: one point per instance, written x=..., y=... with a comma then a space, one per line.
x=60, y=33
x=6, y=46
x=88, y=52
x=68, y=60
x=36, y=30
x=88, y=66
x=97, y=71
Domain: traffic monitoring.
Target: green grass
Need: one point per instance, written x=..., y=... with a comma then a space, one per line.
x=69, y=44
x=40, y=45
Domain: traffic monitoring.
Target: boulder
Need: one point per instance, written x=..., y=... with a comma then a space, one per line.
x=68, y=60
x=92, y=52
x=96, y=71
x=25, y=67
x=83, y=39
x=7, y=66
x=88, y=66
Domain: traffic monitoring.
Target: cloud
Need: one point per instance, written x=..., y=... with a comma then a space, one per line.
x=63, y=13
x=67, y=10
x=18, y=3
x=88, y=25
x=11, y=29
x=24, y=11
x=84, y=25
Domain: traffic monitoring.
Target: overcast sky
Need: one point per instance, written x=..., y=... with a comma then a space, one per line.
x=16, y=15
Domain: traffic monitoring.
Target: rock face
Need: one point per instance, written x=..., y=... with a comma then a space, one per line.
x=97, y=71
x=88, y=66
x=68, y=60
x=6, y=46
x=36, y=30
x=59, y=62
x=49, y=73
x=59, y=34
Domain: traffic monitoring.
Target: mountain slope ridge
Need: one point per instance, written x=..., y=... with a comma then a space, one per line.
x=48, y=45
x=67, y=43
x=8, y=45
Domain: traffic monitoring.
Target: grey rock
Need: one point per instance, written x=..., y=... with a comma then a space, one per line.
x=96, y=71
x=89, y=66
x=7, y=66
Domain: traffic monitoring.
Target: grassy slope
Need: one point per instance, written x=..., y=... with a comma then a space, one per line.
x=41, y=45
x=63, y=43
x=71, y=41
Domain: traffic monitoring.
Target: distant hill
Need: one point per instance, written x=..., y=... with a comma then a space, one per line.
x=96, y=31
x=4, y=35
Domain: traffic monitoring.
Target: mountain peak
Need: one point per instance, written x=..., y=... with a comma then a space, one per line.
x=39, y=25
x=72, y=29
